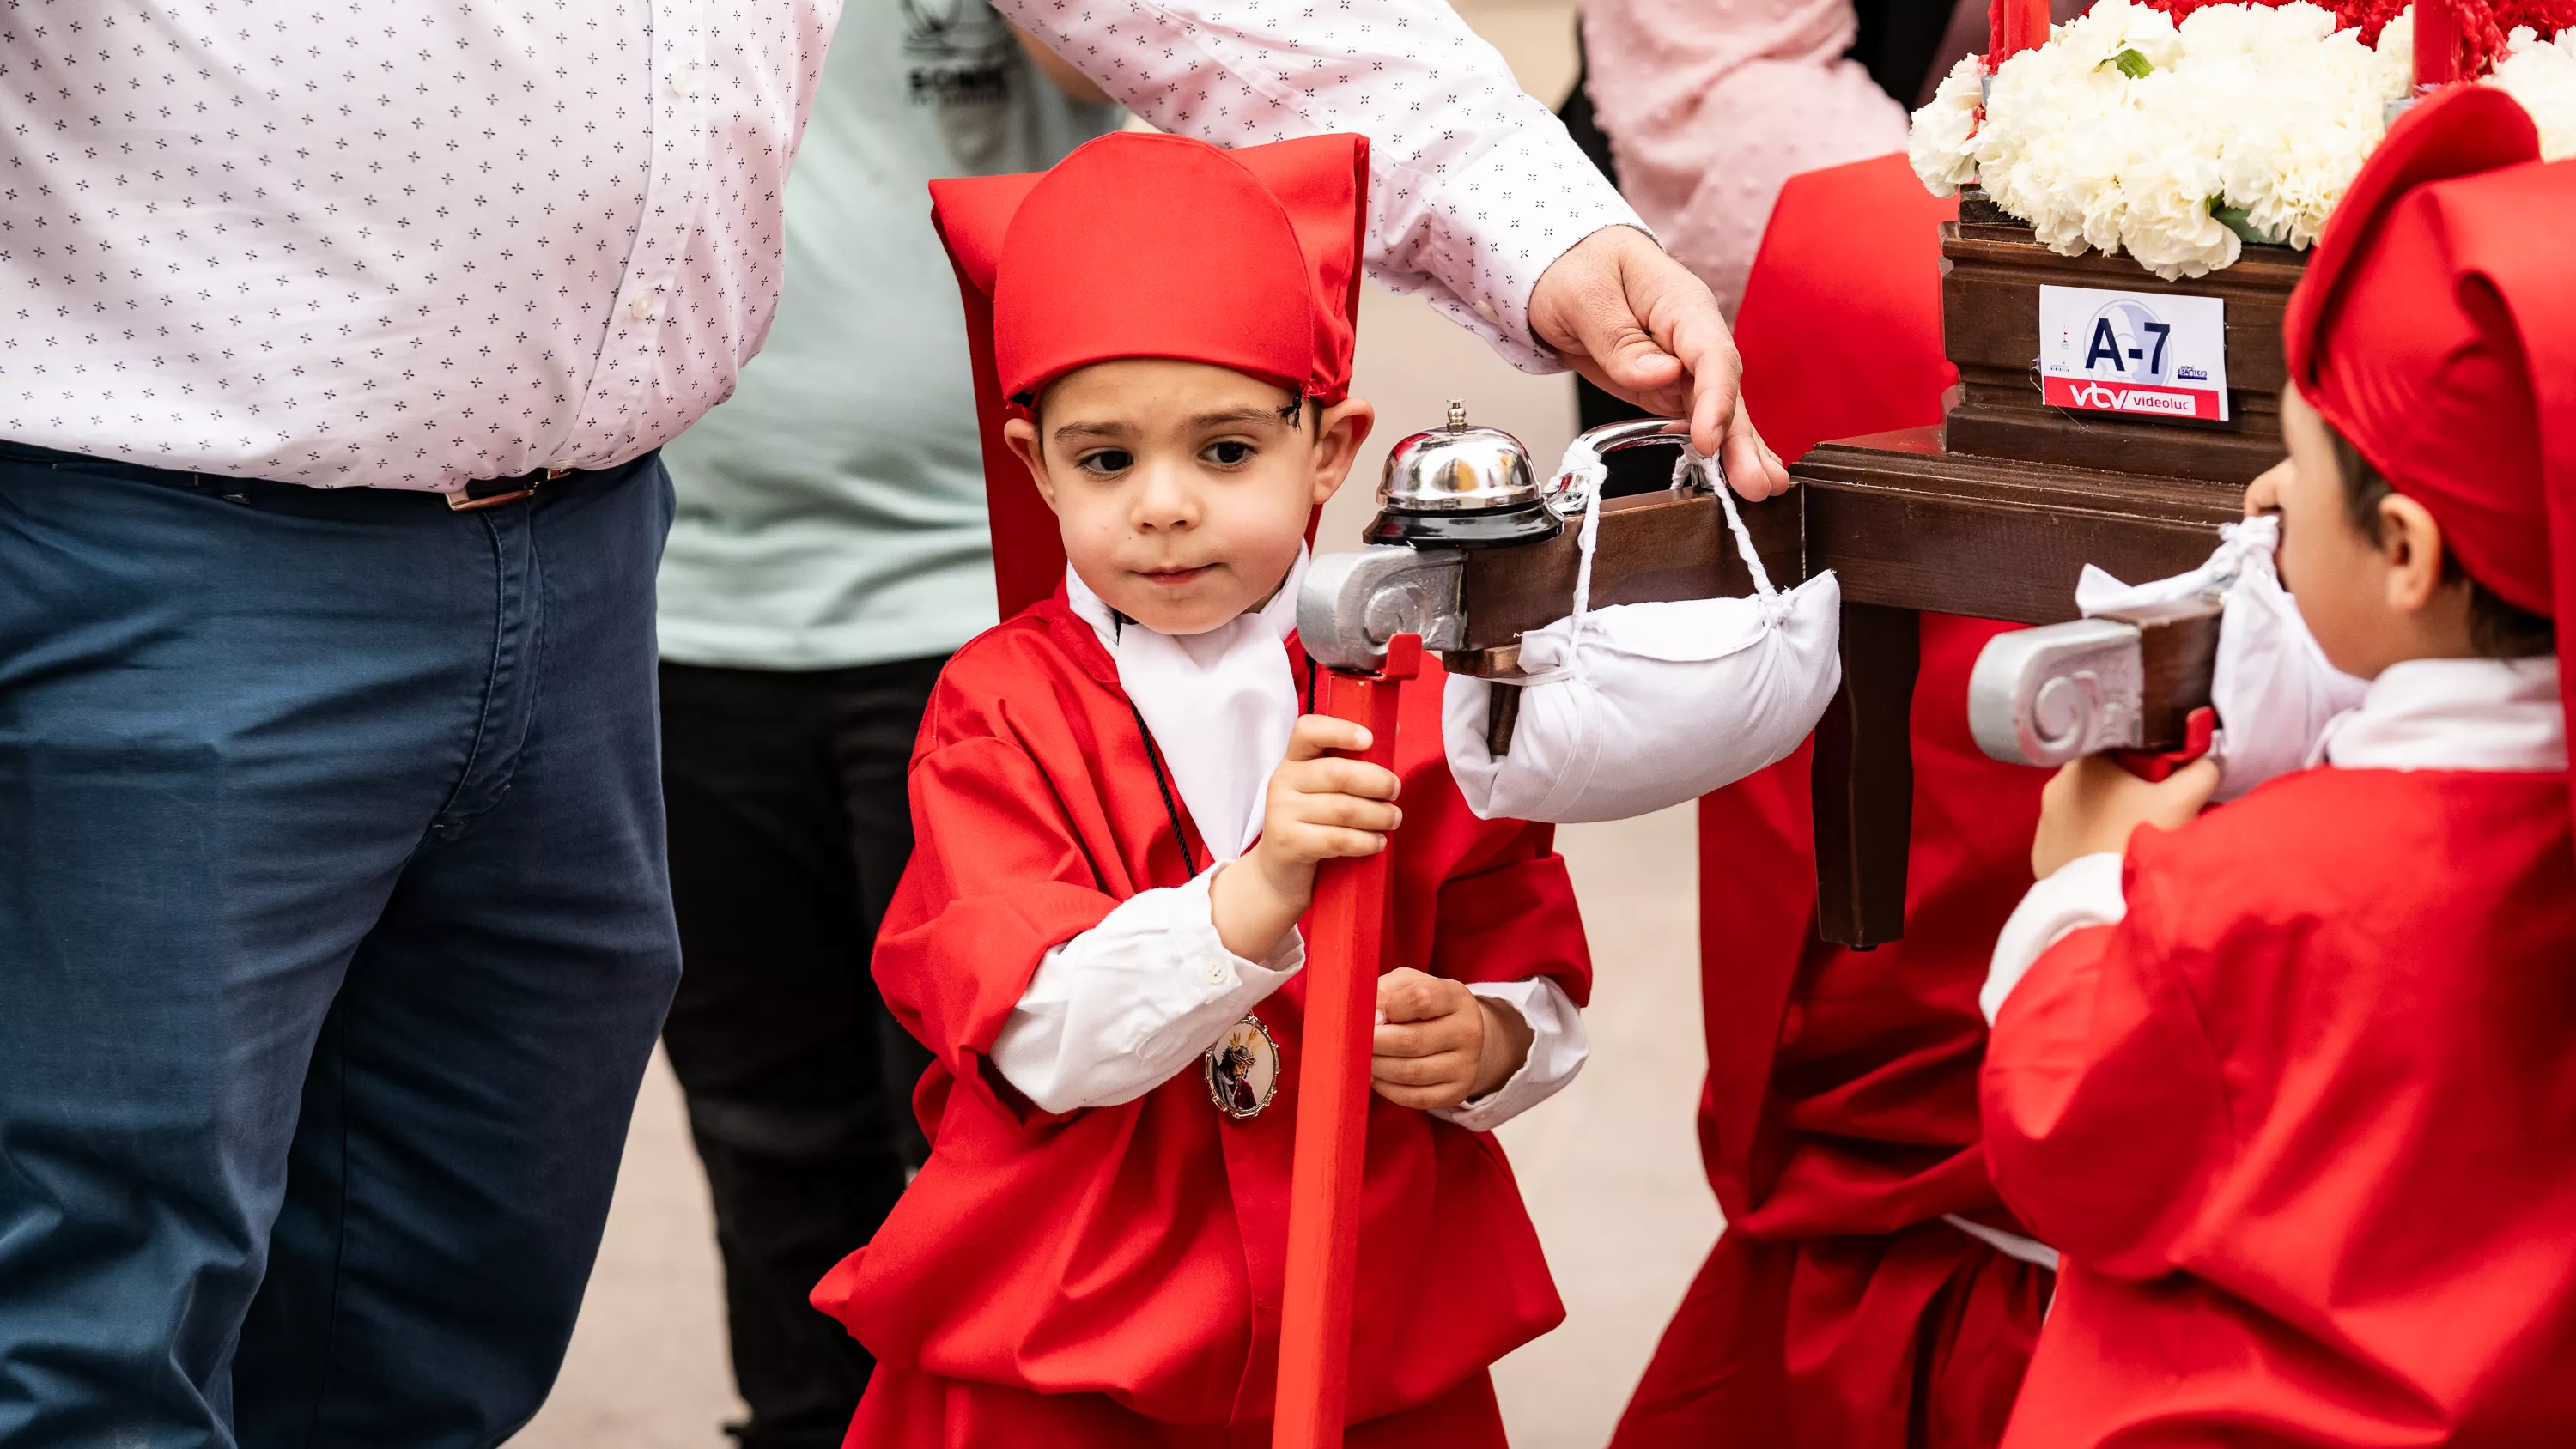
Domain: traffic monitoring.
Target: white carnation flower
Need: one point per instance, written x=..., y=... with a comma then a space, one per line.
x=2174, y=143
x=2056, y=133
x=2541, y=74
x=1938, y=147
x=2117, y=25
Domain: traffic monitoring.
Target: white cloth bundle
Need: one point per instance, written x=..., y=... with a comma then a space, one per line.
x=1636, y=707
x=2272, y=687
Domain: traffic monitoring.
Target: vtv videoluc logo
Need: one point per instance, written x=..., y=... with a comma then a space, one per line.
x=2137, y=353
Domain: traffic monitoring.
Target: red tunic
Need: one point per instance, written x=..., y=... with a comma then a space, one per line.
x=2304, y=1125
x=1840, y=1118
x=1127, y=1259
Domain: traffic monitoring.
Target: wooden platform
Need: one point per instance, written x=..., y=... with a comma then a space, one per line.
x=1990, y=329
x=1995, y=513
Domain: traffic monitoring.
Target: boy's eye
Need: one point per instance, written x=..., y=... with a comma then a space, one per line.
x=1106, y=461
x=1228, y=453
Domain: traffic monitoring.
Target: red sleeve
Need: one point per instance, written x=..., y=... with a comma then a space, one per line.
x=2104, y=1119
x=1513, y=917
x=998, y=876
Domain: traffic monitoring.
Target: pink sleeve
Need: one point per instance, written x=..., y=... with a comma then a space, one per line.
x=1711, y=104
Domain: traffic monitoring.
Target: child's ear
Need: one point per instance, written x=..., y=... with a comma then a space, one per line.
x=1022, y=437
x=1339, y=431
x=2410, y=543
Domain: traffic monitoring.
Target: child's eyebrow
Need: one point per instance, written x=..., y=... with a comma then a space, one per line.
x=1231, y=416
x=1072, y=431
x=1076, y=431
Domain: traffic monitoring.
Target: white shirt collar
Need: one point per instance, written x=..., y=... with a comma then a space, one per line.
x=1220, y=704
x=2454, y=714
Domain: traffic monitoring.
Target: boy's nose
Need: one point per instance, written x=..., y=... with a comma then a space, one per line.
x=1166, y=500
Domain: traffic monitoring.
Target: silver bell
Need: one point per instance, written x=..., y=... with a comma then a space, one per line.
x=1460, y=487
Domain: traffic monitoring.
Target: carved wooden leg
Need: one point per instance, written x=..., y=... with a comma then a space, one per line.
x=1864, y=779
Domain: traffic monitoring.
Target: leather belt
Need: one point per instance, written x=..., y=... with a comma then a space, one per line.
x=491, y=492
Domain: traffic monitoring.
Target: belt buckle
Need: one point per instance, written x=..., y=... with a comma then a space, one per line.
x=502, y=490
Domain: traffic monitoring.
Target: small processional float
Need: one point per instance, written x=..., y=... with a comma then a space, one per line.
x=2137, y=190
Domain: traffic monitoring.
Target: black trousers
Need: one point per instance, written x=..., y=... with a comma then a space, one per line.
x=789, y=827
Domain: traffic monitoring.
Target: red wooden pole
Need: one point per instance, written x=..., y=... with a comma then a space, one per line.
x=2013, y=26
x=1342, y=960
x=2437, y=44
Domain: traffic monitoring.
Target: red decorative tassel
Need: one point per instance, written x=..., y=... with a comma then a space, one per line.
x=2475, y=29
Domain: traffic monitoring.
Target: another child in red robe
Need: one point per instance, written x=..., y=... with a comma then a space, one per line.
x=2293, y=1085
x=1120, y=813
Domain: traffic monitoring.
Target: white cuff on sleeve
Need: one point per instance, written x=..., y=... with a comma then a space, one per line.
x=1558, y=1049
x=2083, y=892
x=1118, y=1010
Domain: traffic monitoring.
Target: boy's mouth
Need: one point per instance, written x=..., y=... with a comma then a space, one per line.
x=1175, y=576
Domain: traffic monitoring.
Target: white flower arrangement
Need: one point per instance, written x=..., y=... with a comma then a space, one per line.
x=2542, y=75
x=2179, y=143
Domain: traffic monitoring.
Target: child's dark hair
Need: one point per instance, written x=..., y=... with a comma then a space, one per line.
x=2497, y=629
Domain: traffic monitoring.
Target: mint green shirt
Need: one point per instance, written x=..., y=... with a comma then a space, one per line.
x=831, y=512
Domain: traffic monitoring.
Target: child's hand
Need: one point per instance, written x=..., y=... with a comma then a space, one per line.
x=2093, y=805
x=2263, y=495
x=1319, y=807
x=1439, y=1044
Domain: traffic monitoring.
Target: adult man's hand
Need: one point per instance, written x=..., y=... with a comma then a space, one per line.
x=1637, y=323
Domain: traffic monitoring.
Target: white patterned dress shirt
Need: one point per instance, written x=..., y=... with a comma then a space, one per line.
x=408, y=245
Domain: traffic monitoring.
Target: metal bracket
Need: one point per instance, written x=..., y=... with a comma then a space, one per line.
x=2045, y=696
x=1567, y=496
x=1353, y=603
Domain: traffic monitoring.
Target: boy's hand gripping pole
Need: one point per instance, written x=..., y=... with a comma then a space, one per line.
x=1350, y=918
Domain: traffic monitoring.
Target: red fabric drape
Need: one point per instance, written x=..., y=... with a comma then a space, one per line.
x=1839, y=1122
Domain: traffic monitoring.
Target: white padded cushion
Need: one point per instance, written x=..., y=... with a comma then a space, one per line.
x=1669, y=702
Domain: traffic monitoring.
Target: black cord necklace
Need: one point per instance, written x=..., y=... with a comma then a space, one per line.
x=1163, y=783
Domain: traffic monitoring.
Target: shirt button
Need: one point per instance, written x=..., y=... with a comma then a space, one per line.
x=641, y=307
x=1216, y=973
x=673, y=81
x=1486, y=311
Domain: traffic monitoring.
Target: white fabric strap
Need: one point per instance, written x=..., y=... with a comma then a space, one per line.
x=1588, y=475
x=1713, y=478
x=2011, y=1245
x=1589, y=472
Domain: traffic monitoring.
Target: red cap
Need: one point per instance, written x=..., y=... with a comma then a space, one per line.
x=2436, y=331
x=1148, y=246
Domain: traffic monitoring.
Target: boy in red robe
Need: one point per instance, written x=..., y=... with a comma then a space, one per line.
x=1120, y=814
x=2292, y=1085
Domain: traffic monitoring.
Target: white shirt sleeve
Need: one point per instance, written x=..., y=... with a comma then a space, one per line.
x=1122, y=1008
x=1118, y=1010
x=1557, y=1050
x=1474, y=187
x=2083, y=892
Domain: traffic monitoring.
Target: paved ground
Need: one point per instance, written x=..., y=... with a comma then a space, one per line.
x=1610, y=1167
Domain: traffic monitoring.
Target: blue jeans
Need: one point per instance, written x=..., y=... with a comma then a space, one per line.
x=334, y=934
